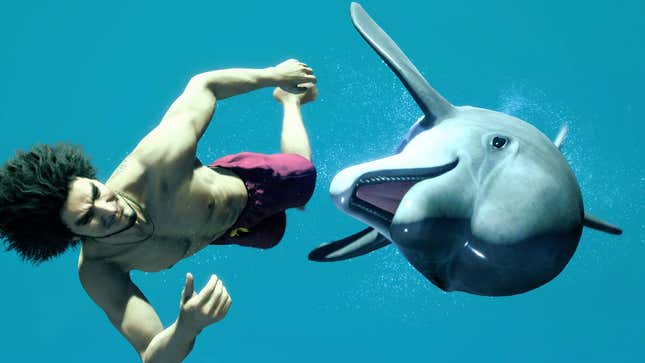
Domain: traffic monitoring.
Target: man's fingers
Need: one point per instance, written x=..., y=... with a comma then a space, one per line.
x=305, y=78
x=216, y=298
x=223, y=308
x=305, y=86
x=189, y=286
x=227, y=305
x=206, y=292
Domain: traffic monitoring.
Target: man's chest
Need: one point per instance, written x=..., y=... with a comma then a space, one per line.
x=155, y=254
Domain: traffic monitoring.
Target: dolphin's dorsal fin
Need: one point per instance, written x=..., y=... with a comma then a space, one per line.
x=562, y=134
x=600, y=225
x=433, y=105
x=358, y=244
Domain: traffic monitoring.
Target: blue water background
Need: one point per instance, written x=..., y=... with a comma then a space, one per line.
x=101, y=74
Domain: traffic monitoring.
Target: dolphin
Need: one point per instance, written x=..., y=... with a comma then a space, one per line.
x=476, y=200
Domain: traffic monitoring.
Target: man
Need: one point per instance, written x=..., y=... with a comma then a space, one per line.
x=162, y=205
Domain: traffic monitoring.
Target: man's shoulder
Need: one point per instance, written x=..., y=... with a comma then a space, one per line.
x=156, y=157
x=91, y=266
x=93, y=254
x=129, y=172
x=105, y=282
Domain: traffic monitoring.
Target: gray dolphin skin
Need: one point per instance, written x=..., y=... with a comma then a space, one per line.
x=476, y=200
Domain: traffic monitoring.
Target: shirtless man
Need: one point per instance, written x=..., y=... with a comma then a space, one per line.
x=162, y=205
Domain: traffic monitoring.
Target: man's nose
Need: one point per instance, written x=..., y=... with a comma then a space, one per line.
x=105, y=206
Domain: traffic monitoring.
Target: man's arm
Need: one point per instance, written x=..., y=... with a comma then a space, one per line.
x=188, y=117
x=129, y=311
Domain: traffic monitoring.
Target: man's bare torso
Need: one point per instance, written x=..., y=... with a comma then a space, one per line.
x=187, y=212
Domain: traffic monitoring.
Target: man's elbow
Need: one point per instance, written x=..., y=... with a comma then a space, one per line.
x=199, y=93
x=197, y=81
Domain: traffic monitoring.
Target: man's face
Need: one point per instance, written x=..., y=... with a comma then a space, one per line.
x=92, y=210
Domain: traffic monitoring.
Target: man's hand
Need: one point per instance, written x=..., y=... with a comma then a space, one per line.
x=308, y=94
x=198, y=310
x=294, y=76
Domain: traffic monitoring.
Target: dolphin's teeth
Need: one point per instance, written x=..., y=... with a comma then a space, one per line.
x=381, y=179
x=374, y=212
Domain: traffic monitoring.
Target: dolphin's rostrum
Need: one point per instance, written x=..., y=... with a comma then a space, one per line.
x=476, y=200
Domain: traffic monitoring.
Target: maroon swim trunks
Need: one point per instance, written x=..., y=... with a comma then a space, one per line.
x=274, y=183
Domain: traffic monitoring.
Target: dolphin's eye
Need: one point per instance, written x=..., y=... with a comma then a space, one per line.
x=499, y=142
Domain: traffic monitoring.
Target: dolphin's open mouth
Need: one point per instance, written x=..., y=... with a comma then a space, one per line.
x=379, y=193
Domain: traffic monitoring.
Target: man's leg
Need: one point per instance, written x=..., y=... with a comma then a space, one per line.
x=294, y=139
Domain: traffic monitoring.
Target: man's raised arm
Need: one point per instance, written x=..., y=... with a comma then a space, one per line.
x=175, y=138
x=197, y=104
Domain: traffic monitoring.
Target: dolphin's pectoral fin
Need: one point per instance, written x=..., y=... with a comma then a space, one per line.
x=600, y=225
x=358, y=244
x=430, y=101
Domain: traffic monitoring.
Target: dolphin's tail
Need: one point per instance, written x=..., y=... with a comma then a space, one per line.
x=433, y=105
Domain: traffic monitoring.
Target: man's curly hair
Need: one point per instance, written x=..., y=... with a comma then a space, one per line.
x=33, y=189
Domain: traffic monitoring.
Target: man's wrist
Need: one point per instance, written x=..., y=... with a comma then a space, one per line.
x=185, y=330
x=271, y=76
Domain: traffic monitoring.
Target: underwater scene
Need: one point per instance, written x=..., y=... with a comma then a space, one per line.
x=327, y=181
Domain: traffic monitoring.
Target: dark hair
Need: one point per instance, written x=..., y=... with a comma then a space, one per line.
x=33, y=189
